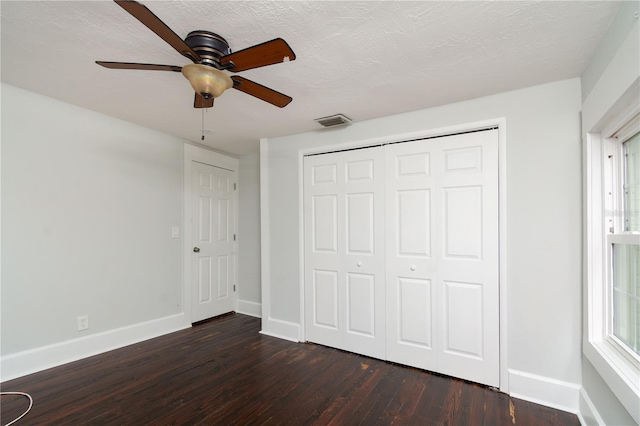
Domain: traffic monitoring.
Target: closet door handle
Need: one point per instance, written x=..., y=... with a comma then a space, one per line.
x=412, y=267
x=359, y=264
x=196, y=249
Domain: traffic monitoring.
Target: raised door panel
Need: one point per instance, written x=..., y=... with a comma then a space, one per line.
x=462, y=217
x=324, y=174
x=223, y=278
x=359, y=170
x=325, y=299
x=205, y=219
x=414, y=305
x=360, y=235
x=324, y=223
x=361, y=304
x=414, y=223
x=204, y=279
x=463, y=321
x=223, y=225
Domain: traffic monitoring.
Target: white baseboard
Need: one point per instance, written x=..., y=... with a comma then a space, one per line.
x=31, y=361
x=249, y=308
x=282, y=329
x=544, y=391
x=587, y=413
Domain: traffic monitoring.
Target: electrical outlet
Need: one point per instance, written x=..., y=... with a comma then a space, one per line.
x=83, y=322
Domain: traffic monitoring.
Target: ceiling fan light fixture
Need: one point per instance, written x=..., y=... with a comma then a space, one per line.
x=207, y=81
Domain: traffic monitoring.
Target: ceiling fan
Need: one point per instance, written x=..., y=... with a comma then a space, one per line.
x=211, y=56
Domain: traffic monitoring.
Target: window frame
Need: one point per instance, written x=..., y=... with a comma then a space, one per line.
x=615, y=230
x=620, y=234
x=604, y=225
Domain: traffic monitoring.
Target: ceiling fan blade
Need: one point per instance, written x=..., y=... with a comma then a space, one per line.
x=201, y=102
x=133, y=66
x=260, y=55
x=261, y=92
x=151, y=21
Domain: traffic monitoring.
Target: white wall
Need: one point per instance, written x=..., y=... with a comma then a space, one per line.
x=88, y=202
x=610, y=73
x=543, y=219
x=249, y=297
x=605, y=409
x=623, y=23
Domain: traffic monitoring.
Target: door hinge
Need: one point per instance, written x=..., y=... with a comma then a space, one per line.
x=234, y=186
x=234, y=237
x=234, y=287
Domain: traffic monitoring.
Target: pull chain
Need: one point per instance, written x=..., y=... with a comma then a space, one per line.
x=202, y=118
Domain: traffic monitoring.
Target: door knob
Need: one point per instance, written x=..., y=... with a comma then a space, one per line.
x=359, y=264
x=412, y=267
x=196, y=249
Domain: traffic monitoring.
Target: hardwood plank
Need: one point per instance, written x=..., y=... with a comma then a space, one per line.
x=336, y=385
x=224, y=372
x=403, y=405
x=433, y=399
x=378, y=404
x=311, y=391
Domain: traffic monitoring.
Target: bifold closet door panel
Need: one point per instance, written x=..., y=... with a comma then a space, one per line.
x=467, y=258
x=344, y=250
x=410, y=191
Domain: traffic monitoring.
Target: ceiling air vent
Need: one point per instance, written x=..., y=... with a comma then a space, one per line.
x=333, y=120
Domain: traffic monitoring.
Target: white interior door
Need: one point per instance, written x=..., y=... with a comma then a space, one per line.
x=344, y=251
x=442, y=255
x=213, y=234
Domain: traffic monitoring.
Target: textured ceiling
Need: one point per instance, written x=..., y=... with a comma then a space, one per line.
x=362, y=59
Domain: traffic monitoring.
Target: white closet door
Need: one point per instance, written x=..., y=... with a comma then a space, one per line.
x=411, y=254
x=344, y=250
x=442, y=255
x=467, y=257
x=437, y=202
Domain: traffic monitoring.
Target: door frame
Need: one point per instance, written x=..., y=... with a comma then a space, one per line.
x=501, y=124
x=212, y=158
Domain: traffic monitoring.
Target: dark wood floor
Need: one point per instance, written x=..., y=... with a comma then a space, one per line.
x=224, y=372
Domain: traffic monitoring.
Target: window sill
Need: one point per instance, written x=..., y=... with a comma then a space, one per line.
x=618, y=373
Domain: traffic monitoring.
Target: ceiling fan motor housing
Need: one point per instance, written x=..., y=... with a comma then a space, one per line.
x=210, y=46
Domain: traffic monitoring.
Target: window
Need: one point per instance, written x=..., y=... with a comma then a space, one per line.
x=612, y=339
x=622, y=216
x=625, y=265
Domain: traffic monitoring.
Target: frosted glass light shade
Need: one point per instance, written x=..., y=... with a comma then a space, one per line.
x=207, y=81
